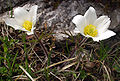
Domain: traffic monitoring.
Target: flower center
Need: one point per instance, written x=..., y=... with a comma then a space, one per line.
x=90, y=30
x=27, y=25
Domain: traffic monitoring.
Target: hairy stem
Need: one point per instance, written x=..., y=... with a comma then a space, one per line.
x=42, y=46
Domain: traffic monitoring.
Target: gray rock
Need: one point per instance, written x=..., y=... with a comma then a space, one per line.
x=6, y=5
x=115, y=18
x=60, y=16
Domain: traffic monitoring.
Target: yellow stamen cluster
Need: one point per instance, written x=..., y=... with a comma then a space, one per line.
x=90, y=30
x=27, y=25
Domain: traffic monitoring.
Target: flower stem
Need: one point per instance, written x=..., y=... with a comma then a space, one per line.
x=42, y=46
x=83, y=41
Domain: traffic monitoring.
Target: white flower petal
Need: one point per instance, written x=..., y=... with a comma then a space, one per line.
x=90, y=15
x=100, y=20
x=12, y=22
x=23, y=29
x=80, y=22
x=21, y=15
x=76, y=30
x=33, y=13
x=103, y=26
x=104, y=35
x=26, y=7
x=31, y=32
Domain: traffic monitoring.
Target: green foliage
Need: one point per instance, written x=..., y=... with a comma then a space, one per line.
x=21, y=51
x=7, y=59
x=83, y=74
x=103, y=51
x=8, y=65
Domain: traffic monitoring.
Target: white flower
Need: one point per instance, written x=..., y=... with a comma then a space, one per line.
x=91, y=26
x=23, y=20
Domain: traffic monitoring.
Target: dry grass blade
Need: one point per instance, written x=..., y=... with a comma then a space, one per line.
x=110, y=51
x=37, y=78
x=58, y=63
x=67, y=66
x=27, y=73
x=106, y=71
x=37, y=56
x=77, y=77
x=55, y=76
x=20, y=77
